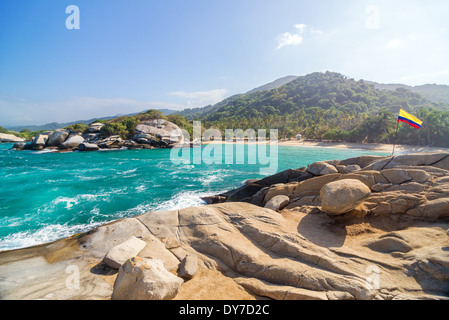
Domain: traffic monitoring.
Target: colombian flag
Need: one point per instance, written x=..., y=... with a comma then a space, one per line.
x=408, y=118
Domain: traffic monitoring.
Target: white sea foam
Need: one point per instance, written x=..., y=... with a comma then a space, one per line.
x=69, y=202
x=45, y=234
x=183, y=200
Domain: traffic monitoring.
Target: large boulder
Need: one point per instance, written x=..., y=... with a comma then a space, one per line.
x=438, y=160
x=72, y=142
x=165, y=130
x=189, y=267
x=124, y=251
x=57, y=137
x=145, y=279
x=343, y=196
x=321, y=168
x=40, y=141
x=278, y=202
x=88, y=147
x=5, y=137
x=95, y=127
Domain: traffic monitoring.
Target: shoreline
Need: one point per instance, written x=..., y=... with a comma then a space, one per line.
x=399, y=149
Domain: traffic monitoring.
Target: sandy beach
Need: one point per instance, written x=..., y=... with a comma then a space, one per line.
x=399, y=149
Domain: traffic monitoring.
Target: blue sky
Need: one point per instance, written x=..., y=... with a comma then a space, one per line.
x=128, y=56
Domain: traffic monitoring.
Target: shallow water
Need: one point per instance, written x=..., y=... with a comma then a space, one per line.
x=46, y=196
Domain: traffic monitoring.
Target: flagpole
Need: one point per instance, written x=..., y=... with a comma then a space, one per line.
x=395, y=138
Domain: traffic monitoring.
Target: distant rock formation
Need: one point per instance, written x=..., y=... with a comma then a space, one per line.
x=149, y=135
x=393, y=244
x=6, y=137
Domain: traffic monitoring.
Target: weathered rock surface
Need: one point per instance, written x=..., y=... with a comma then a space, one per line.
x=88, y=147
x=166, y=131
x=95, y=127
x=145, y=279
x=72, y=142
x=117, y=256
x=6, y=137
x=278, y=203
x=40, y=141
x=57, y=137
x=189, y=267
x=392, y=246
x=321, y=168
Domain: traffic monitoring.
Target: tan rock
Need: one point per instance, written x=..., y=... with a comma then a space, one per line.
x=361, y=161
x=189, y=267
x=421, y=159
x=396, y=176
x=321, y=168
x=278, y=202
x=340, y=197
x=312, y=187
x=124, y=251
x=435, y=209
x=145, y=279
x=279, y=190
x=6, y=137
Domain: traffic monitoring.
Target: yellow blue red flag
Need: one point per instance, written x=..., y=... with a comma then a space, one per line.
x=409, y=119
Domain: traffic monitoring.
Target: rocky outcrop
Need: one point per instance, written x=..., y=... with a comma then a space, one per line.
x=167, y=132
x=393, y=245
x=72, y=142
x=57, y=137
x=40, y=141
x=6, y=137
x=149, y=135
x=96, y=127
x=88, y=147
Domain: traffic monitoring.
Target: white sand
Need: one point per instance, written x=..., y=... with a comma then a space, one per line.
x=399, y=149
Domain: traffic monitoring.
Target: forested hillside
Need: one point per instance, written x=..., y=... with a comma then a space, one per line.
x=323, y=106
x=330, y=106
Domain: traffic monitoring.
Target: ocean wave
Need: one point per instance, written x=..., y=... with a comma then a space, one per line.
x=72, y=201
x=44, y=151
x=182, y=200
x=45, y=234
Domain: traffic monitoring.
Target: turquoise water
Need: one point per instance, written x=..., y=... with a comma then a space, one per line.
x=47, y=196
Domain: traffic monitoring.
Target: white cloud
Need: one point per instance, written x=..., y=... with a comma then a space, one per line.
x=301, y=27
x=201, y=98
x=291, y=39
x=288, y=39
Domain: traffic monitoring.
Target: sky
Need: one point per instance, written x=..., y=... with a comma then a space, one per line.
x=67, y=60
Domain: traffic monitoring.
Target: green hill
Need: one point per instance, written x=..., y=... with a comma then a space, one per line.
x=330, y=106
